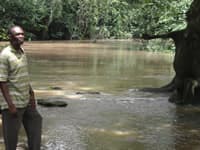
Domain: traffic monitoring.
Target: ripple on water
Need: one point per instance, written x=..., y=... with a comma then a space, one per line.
x=143, y=121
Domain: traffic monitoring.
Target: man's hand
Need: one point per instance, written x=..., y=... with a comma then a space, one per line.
x=12, y=109
x=5, y=91
x=32, y=103
x=32, y=98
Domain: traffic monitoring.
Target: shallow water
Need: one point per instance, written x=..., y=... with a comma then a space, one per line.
x=120, y=117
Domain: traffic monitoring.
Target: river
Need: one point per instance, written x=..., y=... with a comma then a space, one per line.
x=106, y=111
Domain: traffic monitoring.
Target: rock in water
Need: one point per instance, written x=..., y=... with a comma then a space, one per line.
x=51, y=103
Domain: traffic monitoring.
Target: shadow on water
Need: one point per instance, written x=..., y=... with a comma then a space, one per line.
x=116, y=116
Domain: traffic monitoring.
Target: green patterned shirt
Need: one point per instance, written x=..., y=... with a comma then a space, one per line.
x=14, y=71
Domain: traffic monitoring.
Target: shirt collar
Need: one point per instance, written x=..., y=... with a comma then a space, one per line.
x=15, y=51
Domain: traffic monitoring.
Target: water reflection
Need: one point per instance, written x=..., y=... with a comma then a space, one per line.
x=101, y=66
x=187, y=129
x=131, y=121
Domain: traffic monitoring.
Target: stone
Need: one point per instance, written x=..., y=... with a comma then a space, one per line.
x=88, y=92
x=51, y=103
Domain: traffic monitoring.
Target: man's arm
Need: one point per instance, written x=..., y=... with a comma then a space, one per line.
x=32, y=97
x=5, y=92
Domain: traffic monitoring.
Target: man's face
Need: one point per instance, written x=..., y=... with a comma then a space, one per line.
x=17, y=36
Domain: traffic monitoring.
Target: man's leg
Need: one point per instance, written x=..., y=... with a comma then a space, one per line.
x=11, y=126
x=32, y=121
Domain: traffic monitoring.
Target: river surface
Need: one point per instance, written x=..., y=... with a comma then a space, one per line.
x=106, y=111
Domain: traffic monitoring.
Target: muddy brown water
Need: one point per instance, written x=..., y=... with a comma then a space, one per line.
x=120, y=117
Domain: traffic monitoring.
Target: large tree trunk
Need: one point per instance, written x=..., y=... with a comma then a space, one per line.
x=186, y=83
x=187, y=60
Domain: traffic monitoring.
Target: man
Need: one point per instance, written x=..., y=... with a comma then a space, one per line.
x=17, y=100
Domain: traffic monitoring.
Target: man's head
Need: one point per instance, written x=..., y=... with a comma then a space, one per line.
x=16, y=36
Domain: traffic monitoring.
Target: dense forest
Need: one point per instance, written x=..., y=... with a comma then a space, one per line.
x=92, y=19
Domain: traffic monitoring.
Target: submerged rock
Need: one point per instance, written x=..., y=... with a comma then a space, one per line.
x=51, y=103
x=55, y=88
x=88, y=92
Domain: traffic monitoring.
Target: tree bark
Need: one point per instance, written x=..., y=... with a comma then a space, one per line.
x=187, y=60
x=186, y=83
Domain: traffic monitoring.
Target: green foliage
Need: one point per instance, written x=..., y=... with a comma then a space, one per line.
x=159, y=45
x=156, y=17
x=159, y=17
x=3, y=34
x=88, y=19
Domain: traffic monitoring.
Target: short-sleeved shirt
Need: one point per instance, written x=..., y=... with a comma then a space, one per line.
x=14, y=71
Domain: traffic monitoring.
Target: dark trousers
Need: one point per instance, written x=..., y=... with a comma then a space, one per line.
x=32, y=122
